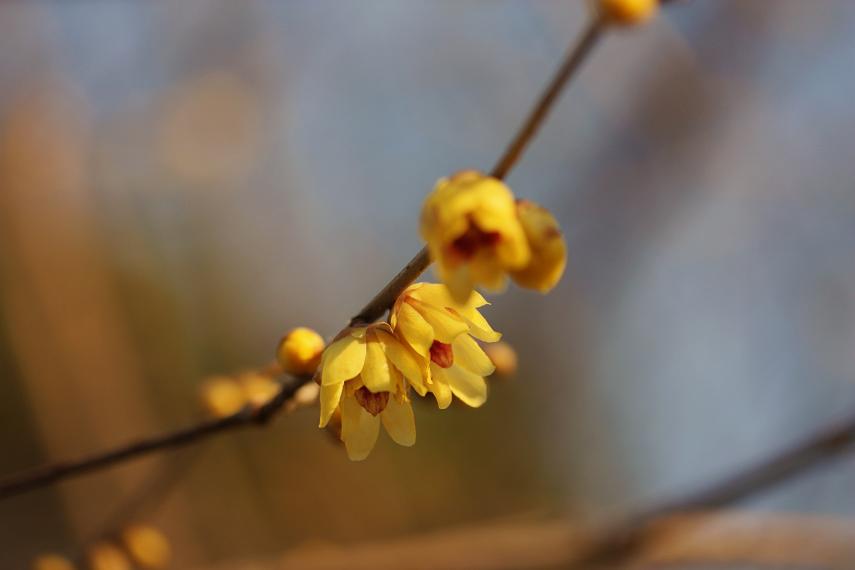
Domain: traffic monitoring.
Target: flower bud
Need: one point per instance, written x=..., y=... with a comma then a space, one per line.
x=148, y=547
x=258, y=388
x=504, y=358
x=106, y=556
x=51, y=562
x=221, y=396
x=299, y=351
x=548, y=250
x=628, y=12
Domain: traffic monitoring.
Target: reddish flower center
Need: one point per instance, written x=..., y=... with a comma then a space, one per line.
x=473, y=239
x=371, y=402
x=441, y=354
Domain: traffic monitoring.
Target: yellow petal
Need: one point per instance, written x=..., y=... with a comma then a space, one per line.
x=415, y=329
x=438, y=295
x=413, y=368
x=470, y=356
x=399, y=421
x=439, y=387
x=469, y=387
x=458, y=280
x=330, y=397
x=375, y=372
x=480, y=328
x=359, y=429
x=487, y=271
x=548, y=249
x=343, y=360
x=446, y=325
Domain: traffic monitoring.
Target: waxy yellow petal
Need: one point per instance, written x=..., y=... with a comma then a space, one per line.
x=343, y=360
x=415, y=329
x=439, y=386
x=548, y=249
x=359, y=429
x=375, y=372
x=413, y=368
x=470, y=388
x=399, y=421
x=329, y=399
x=470, y=356
x=446, y=326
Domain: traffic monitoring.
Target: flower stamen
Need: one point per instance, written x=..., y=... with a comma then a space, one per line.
x=371, y=402
x=441, y=354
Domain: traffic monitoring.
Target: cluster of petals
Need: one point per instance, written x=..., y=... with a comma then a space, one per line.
x=368, y=373
x=479, y=234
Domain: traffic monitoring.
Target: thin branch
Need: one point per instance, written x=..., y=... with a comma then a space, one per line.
x=51, y=473
x=622, y=540
x=572, y=63
x=42, y=476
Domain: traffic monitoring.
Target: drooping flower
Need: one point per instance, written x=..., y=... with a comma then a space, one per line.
x=365, y=373
x=473, y=233
x=442, y=333
x=548, y=250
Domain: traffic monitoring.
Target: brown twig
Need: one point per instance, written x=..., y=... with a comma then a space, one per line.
x=571, y=64
x=39, y=477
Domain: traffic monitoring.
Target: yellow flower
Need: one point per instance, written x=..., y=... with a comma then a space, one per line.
x=51, y=562
x=106, y=556
x=299, y=351
x=548, y=250
x=628, y=12
x=470, y=225
x=148, y=547
x=365, y=374
x=440, y=331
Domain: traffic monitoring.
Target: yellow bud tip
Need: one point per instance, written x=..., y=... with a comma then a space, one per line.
x=504, y=358
x=628, y=12
x=222, y=396
x=148, y=547
x=106, y=556
x=299, y=351
x=51, y=562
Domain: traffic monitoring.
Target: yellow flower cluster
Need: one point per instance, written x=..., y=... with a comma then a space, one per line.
x=140, y=546
x=429, y=345
x=479, y=234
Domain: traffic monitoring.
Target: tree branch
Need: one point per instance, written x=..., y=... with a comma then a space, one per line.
x=42, y=476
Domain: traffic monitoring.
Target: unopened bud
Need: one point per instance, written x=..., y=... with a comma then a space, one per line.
x=628, y=12
x=221, y=396
x=299, y=351
x=51, y=562
x=258, y=388
x=504, y=358
x=147, y=546
x=106, y=556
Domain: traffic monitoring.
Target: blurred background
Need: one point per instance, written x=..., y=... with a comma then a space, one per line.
x=182, y=182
